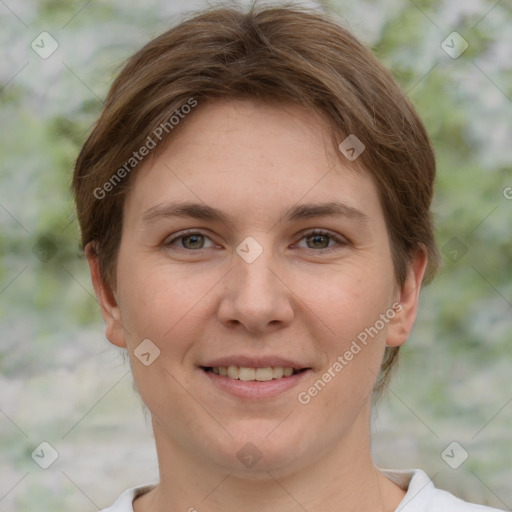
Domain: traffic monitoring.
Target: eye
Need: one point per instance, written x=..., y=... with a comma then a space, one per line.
x=318, y=239
x=190, y=240
x=315, y=239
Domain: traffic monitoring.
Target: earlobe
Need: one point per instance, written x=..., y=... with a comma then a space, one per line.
x=403, y=322
x=110, y=311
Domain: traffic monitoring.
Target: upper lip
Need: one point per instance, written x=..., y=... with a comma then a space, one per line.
x=254, y=362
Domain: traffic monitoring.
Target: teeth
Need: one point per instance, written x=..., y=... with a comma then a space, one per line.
x=263, y=374
x=277, y=372
x=246, y=373
x=251, y=374
x=233, y=372
x=287, y=371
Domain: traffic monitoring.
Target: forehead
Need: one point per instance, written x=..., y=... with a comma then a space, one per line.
x=252, y=158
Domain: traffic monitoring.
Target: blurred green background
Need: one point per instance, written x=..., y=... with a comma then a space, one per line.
x=63, y=383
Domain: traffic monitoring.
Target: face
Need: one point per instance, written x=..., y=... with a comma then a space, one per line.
x=284, y=265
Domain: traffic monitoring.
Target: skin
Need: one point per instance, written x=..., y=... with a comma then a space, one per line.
x=302, y=298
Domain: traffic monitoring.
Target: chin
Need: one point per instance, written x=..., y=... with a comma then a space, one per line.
x=254, y=454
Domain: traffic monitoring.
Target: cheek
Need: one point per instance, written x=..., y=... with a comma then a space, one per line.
x=355, y=304
x=348, y=299
x=160, y=302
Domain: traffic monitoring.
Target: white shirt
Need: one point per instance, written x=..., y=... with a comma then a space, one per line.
x=422, y=496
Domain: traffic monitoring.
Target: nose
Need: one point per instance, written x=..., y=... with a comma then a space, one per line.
x=255, y=295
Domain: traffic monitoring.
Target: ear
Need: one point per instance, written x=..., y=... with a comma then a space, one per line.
x=110, y=311
x=401, y=325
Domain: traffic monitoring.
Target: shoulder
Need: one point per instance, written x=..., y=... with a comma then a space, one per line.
x=423, y=496
x=125, y=501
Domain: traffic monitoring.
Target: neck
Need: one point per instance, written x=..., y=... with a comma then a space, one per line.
x=341, y=478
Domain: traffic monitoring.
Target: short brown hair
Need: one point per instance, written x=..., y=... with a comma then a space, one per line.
x=285, y=53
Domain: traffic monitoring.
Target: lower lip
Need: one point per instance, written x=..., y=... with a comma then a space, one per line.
x=255, y=389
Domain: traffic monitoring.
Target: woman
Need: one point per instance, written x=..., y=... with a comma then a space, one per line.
x=254, y=205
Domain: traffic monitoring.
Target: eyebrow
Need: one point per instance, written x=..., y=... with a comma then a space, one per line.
x=296, y=213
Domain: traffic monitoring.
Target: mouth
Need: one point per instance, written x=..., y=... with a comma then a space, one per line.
x=248, y=374
x=256, y=382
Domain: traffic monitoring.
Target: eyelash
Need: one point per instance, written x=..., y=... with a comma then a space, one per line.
x=342, y=241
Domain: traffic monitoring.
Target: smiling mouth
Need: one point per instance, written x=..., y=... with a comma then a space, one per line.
x=253, y=374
